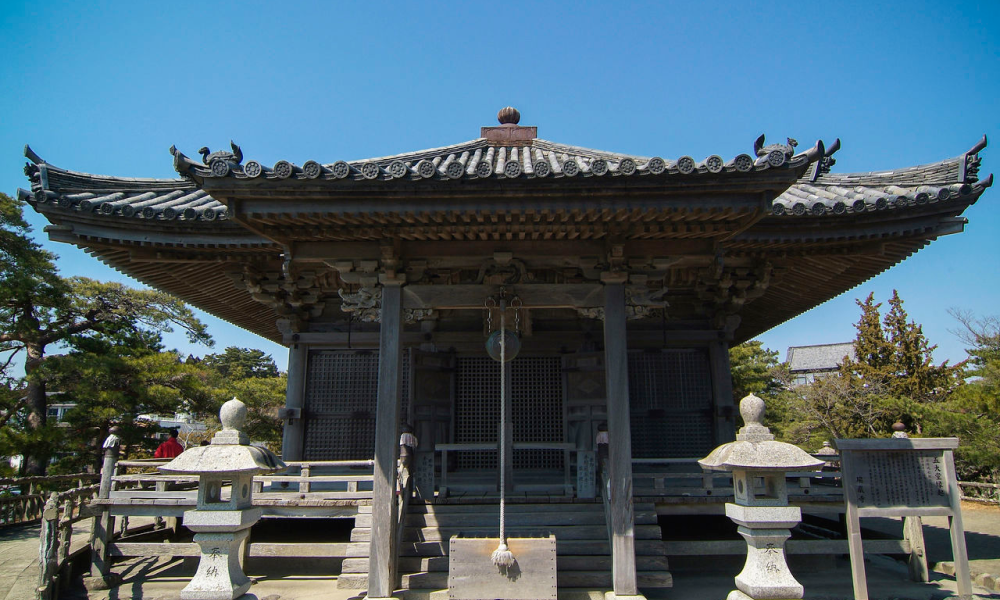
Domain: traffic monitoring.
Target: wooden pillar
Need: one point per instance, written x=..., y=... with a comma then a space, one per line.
x=382, y=557
x=102, y=530
x=620, y=436
x=722, y=392
x=293, y=437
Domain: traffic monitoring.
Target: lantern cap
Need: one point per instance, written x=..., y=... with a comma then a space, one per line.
x=230, y=451
x=755, y=448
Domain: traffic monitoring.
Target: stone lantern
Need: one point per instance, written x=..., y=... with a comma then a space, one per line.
x=758, y=464
x=222, y=523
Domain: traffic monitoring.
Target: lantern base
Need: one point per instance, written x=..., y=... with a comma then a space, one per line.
x=765, y=575
x=220, y=575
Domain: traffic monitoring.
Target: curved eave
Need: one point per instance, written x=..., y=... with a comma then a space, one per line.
x=155, y=219
x=206, y=284
x=820, y=192
x=817, y=258
x=930, y=214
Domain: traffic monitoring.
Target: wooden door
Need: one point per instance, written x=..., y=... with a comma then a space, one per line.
x=432, y=398
x=586, y=397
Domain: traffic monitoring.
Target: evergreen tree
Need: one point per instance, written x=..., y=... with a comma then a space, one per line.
x=39, y=309
x=913, y=372
x=756, y=370
x=872, y=351
x=113, y=379
x=893, y=354
x=253, y=377
x=242, y=363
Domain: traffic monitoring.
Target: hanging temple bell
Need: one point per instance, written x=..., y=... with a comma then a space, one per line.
x=510, y=338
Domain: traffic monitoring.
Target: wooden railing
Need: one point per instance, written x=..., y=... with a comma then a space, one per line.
x=973, y=491
x=22, y=499
x=344, y=479
x=684, y=477
x=404, y=490
x=605, y=483
x=61, y=512
x=565, y=448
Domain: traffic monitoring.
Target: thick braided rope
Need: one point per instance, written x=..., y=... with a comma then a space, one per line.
x=503, y=417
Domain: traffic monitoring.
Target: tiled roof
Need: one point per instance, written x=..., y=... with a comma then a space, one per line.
x=144, y=199
x=824, y=357
x=817, y=193
x=481, y=159
x=820, y=192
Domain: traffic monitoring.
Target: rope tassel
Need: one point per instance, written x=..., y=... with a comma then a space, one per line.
x=502, y=556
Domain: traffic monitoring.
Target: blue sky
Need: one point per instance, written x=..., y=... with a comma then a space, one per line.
x=107, y=88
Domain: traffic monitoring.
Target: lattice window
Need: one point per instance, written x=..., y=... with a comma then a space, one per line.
x=341, y=395
x=670, y=393
x=537, y=408
x=477, y=408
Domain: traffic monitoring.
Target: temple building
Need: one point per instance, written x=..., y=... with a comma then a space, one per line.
x=628, y=278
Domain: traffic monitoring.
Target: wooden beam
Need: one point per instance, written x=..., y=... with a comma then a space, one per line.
x=620, y=438
x=471, y=296
x=382, y=555
x=522, y=249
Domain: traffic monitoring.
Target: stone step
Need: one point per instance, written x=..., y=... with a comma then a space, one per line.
x=565, y=547
x=567, y=517
x=563, y=594
x=579, y=579
x=565, y=532
x=493, y=505
x=415, y=564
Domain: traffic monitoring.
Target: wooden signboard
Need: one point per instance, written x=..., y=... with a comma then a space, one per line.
x=586, y=474
x=473, y=576
x=901, y=477
x=423, y=477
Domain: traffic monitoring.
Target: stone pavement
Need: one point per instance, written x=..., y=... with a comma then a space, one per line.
x=982, y=540
x=19, y=558
x=162, y=579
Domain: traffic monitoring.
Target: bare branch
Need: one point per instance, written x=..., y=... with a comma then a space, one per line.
x=13, y=410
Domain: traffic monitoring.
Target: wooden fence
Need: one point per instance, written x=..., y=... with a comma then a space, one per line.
x=61, y=511
x=986, y=493
x=22, y=499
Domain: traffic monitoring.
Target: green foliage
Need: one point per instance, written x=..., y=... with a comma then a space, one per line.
x=252, y=376
x=974, y=408
x=115, y=378
x=895, y=356
x=241, y=363
x=263, y=397
x=756, y=370
x=39, y=309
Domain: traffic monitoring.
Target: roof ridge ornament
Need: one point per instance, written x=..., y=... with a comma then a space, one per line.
x=509, y=133
x=972, y=162
x=509, y=116
x=775, y=155
x=826, y=163
x=30, y=154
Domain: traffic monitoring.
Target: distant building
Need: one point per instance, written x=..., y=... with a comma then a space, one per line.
x=57, y=411
x=809, y=363
x=184, y=423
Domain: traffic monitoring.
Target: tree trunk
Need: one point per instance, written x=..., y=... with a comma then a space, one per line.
x=36, y=456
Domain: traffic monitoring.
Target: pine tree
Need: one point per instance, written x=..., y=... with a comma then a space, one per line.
x=914, y=374
x=873, y=353
x=40, y=309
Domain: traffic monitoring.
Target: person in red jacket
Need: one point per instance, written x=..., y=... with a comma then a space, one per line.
x=170, y=448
